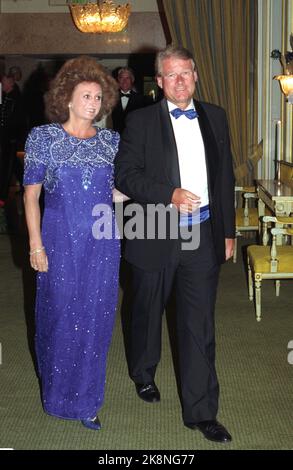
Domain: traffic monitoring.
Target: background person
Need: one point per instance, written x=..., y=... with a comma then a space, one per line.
x=129, y=98
x=11, y=133
x=16, y=73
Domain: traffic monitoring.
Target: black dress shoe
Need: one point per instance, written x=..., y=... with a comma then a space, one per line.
x=148, y=392
x=212, y=430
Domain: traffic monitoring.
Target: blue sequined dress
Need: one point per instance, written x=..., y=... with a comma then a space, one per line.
x=76, y=299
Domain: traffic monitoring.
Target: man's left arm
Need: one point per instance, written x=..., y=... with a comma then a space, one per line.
x=229, y=247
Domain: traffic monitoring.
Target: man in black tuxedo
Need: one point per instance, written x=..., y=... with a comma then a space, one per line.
x=129, y=99
x=177, y=153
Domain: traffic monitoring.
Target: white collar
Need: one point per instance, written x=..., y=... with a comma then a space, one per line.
x=172, y=106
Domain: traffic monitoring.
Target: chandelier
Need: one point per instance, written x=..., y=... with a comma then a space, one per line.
x=99, y=17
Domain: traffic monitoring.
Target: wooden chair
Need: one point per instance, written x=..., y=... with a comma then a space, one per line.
x=269, y=262
x=247, y=219
x=286, y=173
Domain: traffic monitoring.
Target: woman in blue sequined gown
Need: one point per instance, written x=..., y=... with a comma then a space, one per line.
x=77, y=282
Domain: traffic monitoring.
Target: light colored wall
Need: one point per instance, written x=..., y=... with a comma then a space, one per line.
x=275, y=24
x=288, y=145
x=55, y=33
x=26, y=28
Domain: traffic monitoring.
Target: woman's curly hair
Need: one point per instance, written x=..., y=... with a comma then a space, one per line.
x=73, y=72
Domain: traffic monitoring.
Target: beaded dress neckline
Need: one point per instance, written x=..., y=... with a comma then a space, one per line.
x=78, y=138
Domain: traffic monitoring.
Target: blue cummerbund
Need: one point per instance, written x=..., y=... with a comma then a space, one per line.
x=196, y=217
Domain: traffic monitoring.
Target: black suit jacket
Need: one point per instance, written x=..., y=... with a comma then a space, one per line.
x=135, y=101
x=147, y=170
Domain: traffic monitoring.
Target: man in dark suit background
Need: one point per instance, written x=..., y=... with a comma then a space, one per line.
x=177, y=153
x=129, y=99
x=16, y=74
x=12, y=125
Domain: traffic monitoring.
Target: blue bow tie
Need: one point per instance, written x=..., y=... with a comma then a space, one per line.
x=189, y=113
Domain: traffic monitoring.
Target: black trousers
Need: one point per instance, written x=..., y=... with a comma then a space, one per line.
x=195, y=277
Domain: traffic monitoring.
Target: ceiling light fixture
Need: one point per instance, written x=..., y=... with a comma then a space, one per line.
x=99, y=17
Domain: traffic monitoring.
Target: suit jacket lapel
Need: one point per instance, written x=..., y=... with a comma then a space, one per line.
x=131, y=101
x=210, y=145
x=169, y=144
x=128, y=104
x=119, y=106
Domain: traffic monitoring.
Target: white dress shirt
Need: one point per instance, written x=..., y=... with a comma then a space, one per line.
x=124, y=99
x=191, y=154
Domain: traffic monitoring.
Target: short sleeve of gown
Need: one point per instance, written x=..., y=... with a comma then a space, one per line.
x=36, y=156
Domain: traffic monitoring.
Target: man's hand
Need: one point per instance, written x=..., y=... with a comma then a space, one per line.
x=185, y=201
x=229, y=244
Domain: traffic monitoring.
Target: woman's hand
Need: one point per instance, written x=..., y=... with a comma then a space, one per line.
x=39, y=260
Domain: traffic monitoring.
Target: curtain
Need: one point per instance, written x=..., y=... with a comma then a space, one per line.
x=222, y=35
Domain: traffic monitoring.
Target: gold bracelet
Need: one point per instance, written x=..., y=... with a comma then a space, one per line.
x=37, y=250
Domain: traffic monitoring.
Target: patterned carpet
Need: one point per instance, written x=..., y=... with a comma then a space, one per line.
x=252, y=358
